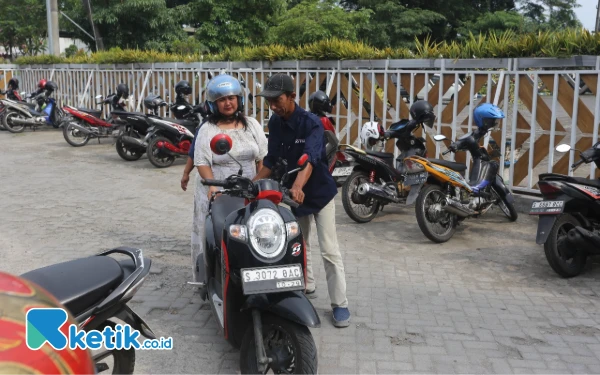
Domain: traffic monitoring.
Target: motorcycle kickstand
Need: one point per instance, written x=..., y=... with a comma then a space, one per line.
x=262, y=358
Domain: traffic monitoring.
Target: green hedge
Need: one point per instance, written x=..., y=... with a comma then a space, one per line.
x=507, y=44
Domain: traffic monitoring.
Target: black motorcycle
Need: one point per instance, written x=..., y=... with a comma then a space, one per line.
x=374, y=180
x=255, y=272
x=131, y=144
x=569, y=223
x=169, y=139
x=96, y=290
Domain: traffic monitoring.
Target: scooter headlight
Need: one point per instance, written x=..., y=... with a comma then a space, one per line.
x=267, y=233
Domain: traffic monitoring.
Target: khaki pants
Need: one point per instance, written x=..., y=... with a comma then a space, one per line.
x=330, y=251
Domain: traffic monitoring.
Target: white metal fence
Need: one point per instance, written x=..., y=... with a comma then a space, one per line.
x=538, y=96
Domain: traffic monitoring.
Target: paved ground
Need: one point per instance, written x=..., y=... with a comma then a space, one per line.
x=486, y=302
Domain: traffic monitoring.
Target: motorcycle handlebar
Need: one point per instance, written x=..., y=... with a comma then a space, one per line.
x=289, y=201
x=578, y=163
x=210, y=182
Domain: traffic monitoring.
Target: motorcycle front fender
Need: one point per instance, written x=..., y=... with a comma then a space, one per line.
x=293, y=306
x=502, y=190
x=544, y=226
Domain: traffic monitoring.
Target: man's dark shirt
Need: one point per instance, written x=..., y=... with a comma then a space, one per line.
x=301, y=134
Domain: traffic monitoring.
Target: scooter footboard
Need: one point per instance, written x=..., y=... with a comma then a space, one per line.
x=293, y=306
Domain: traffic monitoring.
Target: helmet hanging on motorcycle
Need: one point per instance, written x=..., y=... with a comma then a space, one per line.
x=487, y=116
x=122, y=91
x=319, y=103
x=17, y=297
x=422, y=112
x=370, y=134
x=183, y=88
x=221, y=86
x=42, y=83
x=50, y=87
x=13, y=83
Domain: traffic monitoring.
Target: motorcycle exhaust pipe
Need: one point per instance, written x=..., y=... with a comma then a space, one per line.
x=27, y=122
x=584, y=239
x=376, y=192
x=134, y=142
x=456, y=208
x=82, y=129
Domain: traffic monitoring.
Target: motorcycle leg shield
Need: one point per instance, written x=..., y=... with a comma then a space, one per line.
x=293, y=306
x=502, y=190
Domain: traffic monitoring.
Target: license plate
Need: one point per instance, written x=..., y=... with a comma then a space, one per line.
x=415, y=178
x=272, y=279
x=547, y=207
x=342, y=171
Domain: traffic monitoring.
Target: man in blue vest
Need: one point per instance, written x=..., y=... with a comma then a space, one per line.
x=293, y=132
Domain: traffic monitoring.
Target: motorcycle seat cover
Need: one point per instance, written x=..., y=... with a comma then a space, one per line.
x=79, y=284
x=221, y=208
x=458, y=167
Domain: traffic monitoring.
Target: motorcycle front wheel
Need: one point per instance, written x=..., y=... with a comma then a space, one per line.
x=435, y=223
x=506, y=207
x=360, y=208
x=290, y=345
x=75, y=137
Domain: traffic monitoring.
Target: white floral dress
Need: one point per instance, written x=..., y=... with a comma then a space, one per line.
x=249, y=147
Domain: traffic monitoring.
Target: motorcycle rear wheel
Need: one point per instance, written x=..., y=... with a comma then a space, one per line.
x=292, y=341
x=72, y=139
x=555, y=254
x=156, y=157
x=127, y=153
x=350, y=195
x=425, y=210
x=8, y=124
x=123, y=360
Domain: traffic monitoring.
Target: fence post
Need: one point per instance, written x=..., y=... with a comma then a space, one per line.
x=87, y=87
x=137, y=108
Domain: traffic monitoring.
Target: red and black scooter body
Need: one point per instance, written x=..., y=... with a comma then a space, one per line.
x=240, y=274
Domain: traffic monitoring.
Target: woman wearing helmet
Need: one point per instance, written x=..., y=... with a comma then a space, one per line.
x=17, y=297
x=225, y=99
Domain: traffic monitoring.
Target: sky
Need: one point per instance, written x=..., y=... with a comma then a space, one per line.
x=587, y=13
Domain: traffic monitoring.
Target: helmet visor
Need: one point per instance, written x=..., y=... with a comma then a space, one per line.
x=429, y=121
x=492, y=124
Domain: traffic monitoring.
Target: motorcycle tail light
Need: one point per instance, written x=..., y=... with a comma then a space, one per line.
x=550, y=188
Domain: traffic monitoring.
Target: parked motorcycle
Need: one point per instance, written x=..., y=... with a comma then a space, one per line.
x=255, y=272
x=131, y=144
x=96, y=290
x=17, y=98
x=17, y=115
x=168, y=139
x=85, y=124
x=569, y=223
x=373, y=180
x=448, y=198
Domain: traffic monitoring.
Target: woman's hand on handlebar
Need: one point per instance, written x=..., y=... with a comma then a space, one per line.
x=211, y=190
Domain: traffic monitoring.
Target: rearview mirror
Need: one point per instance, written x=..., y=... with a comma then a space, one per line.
x=98, y=96
x=181, y=107
x=23, y=93
x=221, y=144
x=439, y=137
x=563, y=148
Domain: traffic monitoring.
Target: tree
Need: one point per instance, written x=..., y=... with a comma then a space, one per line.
x=228, y=23
x=495, y=22
x=143, y=24
x=551, y=14
x=314, y=20
x=20, y=25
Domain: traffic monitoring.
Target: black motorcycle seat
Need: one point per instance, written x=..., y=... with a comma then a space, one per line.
x=221, y=208
x=94, y=112
x=382, y=155
x=458, y=167
x=125, y=113
x=576, y=180
x=79, y=284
